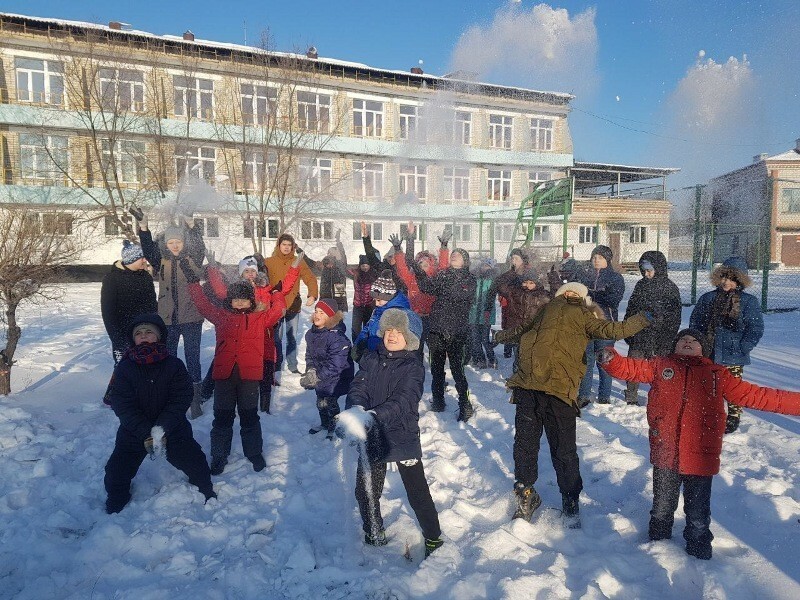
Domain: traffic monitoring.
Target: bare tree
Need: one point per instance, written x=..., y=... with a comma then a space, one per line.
x=279, y=123
x=32, y=252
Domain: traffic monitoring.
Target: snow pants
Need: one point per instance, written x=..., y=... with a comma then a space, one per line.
x=183, y=452
x=481, y=351
x=265, y=387
x=328, y=407
x=230, y=395
x=369, y=488
x=696, y=504
x=453, y=350
x=537, y=412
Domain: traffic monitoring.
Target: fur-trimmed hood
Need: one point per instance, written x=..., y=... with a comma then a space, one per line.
x=334, y=320
x=734, y=268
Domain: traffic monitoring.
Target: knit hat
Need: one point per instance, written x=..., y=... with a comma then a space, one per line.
x=529, y=275
x=520, y=253
x=646, y=265
x=173, y=233
x=603, y=251
x=240, y=290
x=384, y=287
x=328, y=306
x=573, y=286
x=703, y=339
x=464, y=254
x=406, y=322
x=362, y=259
x=248, y=262
x=131, y=252
x=389, y=253
x=149, y=319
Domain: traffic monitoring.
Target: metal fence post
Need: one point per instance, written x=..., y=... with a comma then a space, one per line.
x=767, y=246
x=480, y=233
x=698, y=195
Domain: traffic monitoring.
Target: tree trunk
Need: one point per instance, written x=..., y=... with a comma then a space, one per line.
x=13, y=333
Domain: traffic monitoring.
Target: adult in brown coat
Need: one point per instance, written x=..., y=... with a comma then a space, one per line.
x=278, y=266
x=545, y=390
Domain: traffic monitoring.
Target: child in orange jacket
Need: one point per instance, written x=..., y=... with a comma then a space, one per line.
x=686, y=414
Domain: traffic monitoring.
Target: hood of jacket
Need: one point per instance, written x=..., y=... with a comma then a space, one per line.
x=658, y=260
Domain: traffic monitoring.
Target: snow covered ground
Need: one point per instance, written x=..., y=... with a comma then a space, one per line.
x=292, y=531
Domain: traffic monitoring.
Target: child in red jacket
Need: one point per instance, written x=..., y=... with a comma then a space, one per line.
x=241, y=328
x=686, y=414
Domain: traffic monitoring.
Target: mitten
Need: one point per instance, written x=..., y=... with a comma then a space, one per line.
x=309, y=380
x=394, y=239
x=605, y=356
x=445, y=237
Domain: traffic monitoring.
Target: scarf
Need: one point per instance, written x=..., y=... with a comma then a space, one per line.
x=147, y=354
x=725, y=311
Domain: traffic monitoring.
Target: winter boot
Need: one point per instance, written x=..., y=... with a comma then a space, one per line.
x=701, y=550
x=432, y=545
x=114, y=505
x=659, y=530
x=208, y=383
x=527, y=501
x=437, y=405
x=731, y=424
x=570, y=511
x=465, y=409
x=196, y=408
x=583, y=402
x=378, y=539
x=218, y=464
x=258, y=462
x=324, y=418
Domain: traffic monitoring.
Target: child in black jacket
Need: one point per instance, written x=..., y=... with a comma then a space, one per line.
x=151, y=394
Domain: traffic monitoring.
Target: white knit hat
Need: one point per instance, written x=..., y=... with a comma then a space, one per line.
x=247, y=263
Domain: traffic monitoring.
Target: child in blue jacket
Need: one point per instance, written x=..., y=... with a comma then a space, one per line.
x=386, y=296
x=329, y=367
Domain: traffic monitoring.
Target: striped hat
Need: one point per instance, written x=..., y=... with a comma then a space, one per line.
x=384, y=287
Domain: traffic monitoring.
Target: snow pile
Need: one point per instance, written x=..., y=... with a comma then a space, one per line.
x=354, y=423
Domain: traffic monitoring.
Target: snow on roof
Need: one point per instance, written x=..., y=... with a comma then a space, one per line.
x=793, y=154
x=562, y=96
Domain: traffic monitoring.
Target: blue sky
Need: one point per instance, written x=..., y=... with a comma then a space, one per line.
x=642, y=94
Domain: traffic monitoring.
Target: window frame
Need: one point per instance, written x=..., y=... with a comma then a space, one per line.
x=790, y=200
x=542, y=135
x=462, y=128
x=417, y=175
x=311, y=229
x=493, y=181
x=375, y=130
x=305, y=107
x=199, y=158
x=135, y=89
x=50, y=70
x=591, y=230
x=501, y=134
x=261, y=102
x=44, y=153
x=637, y=234
x=374, y=231
x=194, y=92
x=123, y=160
x=457, y=184
x=324, y=174
x=364, y=175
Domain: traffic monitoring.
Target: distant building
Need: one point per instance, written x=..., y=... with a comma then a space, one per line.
x=756, y=204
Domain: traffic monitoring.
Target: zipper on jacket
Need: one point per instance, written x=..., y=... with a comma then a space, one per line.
x=680, y=418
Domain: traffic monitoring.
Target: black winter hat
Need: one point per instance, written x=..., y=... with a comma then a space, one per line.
x=464, y=254
x=240, y=290
x=699, y=336
x=362, y=259
x=603, y=251
x=152, y=318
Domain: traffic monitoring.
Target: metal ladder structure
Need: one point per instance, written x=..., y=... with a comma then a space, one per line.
x=548, y=199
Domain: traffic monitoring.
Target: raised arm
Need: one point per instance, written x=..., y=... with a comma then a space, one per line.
x=150, y=248
x=629, y=369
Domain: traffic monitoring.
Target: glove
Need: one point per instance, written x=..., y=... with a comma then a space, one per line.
x=394, y=239
x=137, y=213
x=118, y=354
x=445, y=237
x=189, y=220
x=605, y=355
x=355, y=353
x=260, y=280
x=298, y=259
x=188, y=272
x=211, y=258
x=309, y=380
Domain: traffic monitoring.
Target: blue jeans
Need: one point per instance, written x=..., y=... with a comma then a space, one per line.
x=191, y=333
x=287, y=327
x=604, y=391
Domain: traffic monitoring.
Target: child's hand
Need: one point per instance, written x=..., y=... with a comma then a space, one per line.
x=309, y=380
x=605, y=356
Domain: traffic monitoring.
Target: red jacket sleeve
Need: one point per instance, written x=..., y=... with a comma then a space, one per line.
x=213, y=313
x=275, y=311
x=405, y=273
x=288, y=282
x=444, y=258
x=751, y=395
x=630, y=369
x=217, y=282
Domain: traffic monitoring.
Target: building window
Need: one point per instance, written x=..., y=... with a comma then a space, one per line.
x=111, y=225
x=249, y=230
x=413, y=181
x=374, y=231
x=587, y=234
x=541, y=233
x=456, y=185
x=541, y=134
x=315, y=174
x=462, y=232
x=196, y=161
x=57, y=223
x=638, y=235
x=504, y=232
x=314, y=111
x=258, y=173
x=500, y=131
x=194, y=97
x=368, y=118
x=420, y=230
x=40, y=81
x=316, y=230
x=499, y=186
x=790, y=200
x=207, y=227
x=462, y=128
x=367, y=179
x=121, y=90
x=43, y=157
x=411, y=123
x=259, y=104
x=536, y=177
x=124, y=161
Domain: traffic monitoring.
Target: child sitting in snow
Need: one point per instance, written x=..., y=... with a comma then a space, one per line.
x=151, y=393
x=329, y=368
x=389, y=388
x=686, y=414
x=241, y=328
